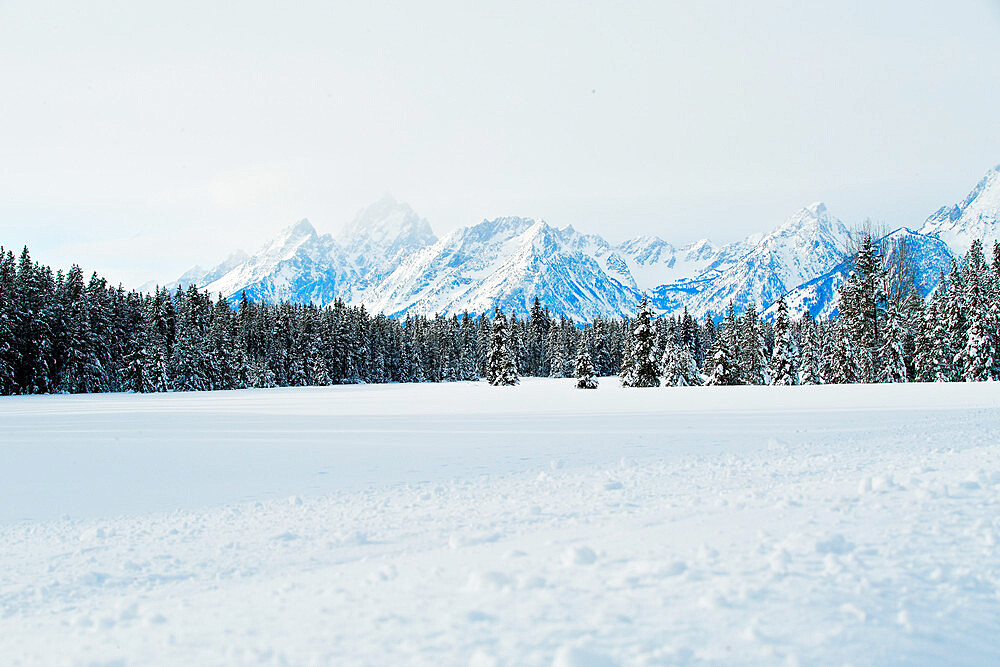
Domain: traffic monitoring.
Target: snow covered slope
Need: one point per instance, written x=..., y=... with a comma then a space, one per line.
x=652, y=261
x=507, y=262
x=763, y=267
x=976, y=217
x=456, y=524
x=298, y=265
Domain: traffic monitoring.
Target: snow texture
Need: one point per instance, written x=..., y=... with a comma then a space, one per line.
x=460, y=523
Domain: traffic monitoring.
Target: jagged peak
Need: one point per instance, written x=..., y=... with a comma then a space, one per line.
x=811, y=218
x=986, y=192
x=644, y=241
x=987, y=183
x=511, y=225
x=699, y=245
x=384, y=221
x=289, y=239
x=301, y=228
x=375, y=212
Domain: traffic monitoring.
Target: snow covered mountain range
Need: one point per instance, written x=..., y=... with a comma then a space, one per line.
x=389, y=259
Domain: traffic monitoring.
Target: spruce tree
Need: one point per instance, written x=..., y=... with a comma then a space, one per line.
x=584, y=370
x=627, y=356
x=844, y=367
x=7, y=340
x=810, y=356
x=955, y=319
x=670, y=365
x=923, y=346
x=557, y=353
x=679, y=368
x=977, y=358
x=644, y=367
x=753, y=358
x=722, y=360
x=892, y=356
x=862, y=308
x=783, y=370
x=942, y=353
x=500, y=369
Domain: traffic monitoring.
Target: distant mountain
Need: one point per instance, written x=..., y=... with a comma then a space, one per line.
x=508, y=262
x=653, y=261
x=389, y=259
x=380, y=237
x=298, y=265
x=302, y=266
x=761, y=268
x=976, y=217
x=199, y=276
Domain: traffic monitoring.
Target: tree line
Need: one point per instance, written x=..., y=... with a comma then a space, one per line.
x=62, y=333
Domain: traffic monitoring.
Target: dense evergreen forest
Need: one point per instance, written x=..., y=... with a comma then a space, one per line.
x=62, y=333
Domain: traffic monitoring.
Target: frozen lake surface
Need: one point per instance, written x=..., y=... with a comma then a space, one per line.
x=467, y=524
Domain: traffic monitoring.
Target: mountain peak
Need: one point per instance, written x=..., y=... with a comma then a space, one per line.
x=386, y=221
x=301, y=228
x=289, y=240
x=975, y=217
x=808, y=219
x=506, y=226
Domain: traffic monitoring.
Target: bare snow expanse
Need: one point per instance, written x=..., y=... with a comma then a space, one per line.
x=535, y=525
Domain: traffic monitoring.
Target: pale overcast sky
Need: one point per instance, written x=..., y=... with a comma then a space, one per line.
x=139, y=138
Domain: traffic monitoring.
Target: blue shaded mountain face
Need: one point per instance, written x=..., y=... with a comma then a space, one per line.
x=389, y=259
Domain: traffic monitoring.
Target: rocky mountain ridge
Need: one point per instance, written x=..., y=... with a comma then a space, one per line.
x=389, y=259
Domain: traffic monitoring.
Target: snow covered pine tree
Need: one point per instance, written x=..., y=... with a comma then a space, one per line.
x=783, y=356
x=644, y=370
x=584, y=369
x=500, y=370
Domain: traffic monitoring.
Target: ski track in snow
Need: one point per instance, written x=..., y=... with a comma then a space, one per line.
x=536, y=525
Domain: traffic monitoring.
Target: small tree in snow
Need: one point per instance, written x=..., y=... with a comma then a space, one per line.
x=679, y=367
x=584, y=370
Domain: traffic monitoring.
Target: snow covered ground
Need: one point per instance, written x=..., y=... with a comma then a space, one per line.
x=536, y=525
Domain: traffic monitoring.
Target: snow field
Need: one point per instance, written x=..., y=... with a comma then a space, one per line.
x=539, y=525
